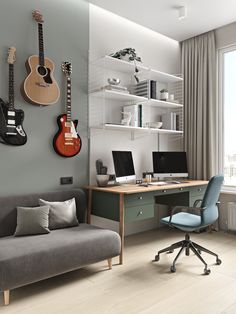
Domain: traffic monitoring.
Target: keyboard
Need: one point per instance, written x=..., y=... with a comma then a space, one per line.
x=158, y=183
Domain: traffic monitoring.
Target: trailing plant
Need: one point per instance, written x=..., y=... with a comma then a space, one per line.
x=132, y=57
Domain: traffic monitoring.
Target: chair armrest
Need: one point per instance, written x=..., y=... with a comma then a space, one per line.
x=176, y=208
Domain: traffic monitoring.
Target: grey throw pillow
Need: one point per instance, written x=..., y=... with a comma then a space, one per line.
x=61, y=214
x=32, y=220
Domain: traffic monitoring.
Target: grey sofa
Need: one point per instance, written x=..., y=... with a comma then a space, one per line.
x=27, y=259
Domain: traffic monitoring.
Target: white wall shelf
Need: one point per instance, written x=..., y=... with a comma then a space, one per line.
x=114, y=64
x=162, y=104
x=119, y=127
x=114, y=95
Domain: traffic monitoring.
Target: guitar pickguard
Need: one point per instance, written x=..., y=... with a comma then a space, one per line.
x=47, y=77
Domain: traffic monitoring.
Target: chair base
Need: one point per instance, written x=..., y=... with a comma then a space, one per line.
x=188, y=245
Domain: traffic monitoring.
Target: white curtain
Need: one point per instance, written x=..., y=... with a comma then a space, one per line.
x=200, y=108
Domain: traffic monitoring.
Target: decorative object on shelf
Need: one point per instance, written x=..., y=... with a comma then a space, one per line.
x=127, y=116
x=11, y=119
x=113, y=81
x=40, y=87
x=171, y=97
x=164, y=94
x=114, y=86
x=67, y=142
x=130, y=55
x=155, y=125
x=102, y=176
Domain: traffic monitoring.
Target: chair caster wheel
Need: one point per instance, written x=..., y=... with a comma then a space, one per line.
x=218, y=261
x=171, y=251
x=207, y=271
x=173, y=269
x=157, y=258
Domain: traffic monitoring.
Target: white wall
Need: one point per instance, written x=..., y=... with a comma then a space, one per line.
x=109, y=33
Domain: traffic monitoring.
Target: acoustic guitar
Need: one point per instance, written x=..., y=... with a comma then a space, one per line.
x=67, y=142
x=40, y=87
x=11, y=119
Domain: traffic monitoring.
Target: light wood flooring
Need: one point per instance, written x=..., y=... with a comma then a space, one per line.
x=140, y=286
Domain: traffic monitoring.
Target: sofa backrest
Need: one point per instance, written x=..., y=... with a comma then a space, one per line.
x=8, y=206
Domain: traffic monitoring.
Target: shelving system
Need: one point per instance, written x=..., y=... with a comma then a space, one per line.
x=106, y=105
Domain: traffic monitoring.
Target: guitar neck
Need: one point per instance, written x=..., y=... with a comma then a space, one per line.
x=68, y=98
x=41, y=44
x=11, y=87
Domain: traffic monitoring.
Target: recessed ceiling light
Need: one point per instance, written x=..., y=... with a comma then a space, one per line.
x=182, y=12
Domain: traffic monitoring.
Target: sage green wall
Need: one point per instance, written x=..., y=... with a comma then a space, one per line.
x=35, y=166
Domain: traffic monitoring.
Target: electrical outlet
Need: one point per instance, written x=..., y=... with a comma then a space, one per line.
x=112, y=177
x=66, y=180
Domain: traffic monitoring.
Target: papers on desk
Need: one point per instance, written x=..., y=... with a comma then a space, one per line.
x=158, y=183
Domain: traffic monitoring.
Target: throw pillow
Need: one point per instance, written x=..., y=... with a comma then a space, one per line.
x=32, y=220
x=61, y=214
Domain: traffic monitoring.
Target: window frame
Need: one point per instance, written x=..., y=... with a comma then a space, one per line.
x=220, y=100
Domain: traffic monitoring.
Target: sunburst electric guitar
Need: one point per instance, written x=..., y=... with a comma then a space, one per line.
x=11, y=119
x=40, y=87
x=67, y=142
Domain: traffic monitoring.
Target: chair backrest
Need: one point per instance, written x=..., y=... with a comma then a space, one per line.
x=211, y=196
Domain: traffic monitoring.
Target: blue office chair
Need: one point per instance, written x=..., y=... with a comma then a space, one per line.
x=190, y=222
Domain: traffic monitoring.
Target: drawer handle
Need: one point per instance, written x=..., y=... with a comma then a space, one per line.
x=164, y=191
x=199, y=190
x=140, y=212
x=181, y=189
x=140, y=197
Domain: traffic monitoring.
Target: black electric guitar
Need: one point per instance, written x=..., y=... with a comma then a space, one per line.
x=11, y=119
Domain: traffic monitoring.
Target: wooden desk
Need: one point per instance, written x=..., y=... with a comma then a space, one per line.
x=126, y=203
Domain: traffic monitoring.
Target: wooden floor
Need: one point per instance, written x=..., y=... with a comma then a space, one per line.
x=140, y=286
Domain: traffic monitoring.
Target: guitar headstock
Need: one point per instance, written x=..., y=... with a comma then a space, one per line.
x=37, y=16
x=66, y=68
x=11, y=55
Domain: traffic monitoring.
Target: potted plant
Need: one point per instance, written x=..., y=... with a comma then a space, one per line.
x=164, y=94
x=130, y=55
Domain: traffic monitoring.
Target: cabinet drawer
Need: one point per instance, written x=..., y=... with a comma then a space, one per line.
x=198, y=190
x=135, y=213
x=138, y=199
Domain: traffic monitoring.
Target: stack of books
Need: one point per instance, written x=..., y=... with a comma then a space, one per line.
x=117, y=88
x=146, y=88
x=170, y=121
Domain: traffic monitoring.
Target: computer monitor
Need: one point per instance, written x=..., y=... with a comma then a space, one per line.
x=124, y=166
x=169, y=164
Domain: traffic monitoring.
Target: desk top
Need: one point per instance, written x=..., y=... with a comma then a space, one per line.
x=135, y=188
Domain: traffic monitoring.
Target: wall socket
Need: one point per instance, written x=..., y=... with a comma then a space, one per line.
x=112, y=177
x=66, y=180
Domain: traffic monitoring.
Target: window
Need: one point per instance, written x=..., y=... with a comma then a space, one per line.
x=227, y=98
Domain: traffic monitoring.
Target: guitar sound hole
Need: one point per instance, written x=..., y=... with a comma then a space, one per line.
x=42, y=70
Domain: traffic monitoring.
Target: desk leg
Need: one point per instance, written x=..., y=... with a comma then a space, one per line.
x=121, y=227
x=89, y=206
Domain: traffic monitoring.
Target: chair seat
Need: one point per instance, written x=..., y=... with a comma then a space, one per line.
x=184, y=221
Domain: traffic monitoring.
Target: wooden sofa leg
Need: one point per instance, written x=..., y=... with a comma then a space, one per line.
x=109, y=263
x=6, y=297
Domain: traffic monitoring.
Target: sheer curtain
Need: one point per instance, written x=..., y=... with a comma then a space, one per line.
x=201, y=111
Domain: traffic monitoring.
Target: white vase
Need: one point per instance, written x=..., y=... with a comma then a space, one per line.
x=164, y=96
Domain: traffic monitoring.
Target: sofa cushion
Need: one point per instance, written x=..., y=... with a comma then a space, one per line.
x=61, y=214
x=32, y=220
x=24, y=260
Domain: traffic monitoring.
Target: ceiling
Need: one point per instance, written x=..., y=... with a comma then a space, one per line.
x=162, y=15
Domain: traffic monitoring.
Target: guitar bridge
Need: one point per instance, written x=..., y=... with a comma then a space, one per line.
x=42, y=84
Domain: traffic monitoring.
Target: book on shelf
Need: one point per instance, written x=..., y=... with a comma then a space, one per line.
x=134, y=110
x=146, y=88
x=171, y=121
x=143, y=116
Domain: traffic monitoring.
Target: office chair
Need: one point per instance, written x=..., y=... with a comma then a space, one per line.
x=190, y=222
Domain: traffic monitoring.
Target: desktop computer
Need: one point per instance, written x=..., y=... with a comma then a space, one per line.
x=124, y=166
